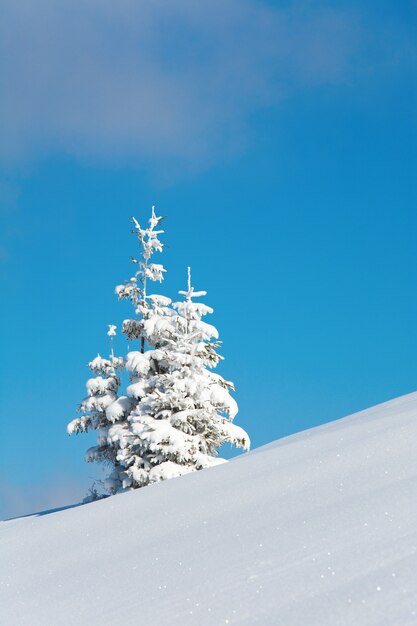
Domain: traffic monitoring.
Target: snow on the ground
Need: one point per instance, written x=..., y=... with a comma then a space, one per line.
x=316, y=529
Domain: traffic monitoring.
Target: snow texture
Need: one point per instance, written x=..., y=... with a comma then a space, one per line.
x=316, y=529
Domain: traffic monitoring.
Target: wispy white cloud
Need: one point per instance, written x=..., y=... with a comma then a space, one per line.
x=156, y=81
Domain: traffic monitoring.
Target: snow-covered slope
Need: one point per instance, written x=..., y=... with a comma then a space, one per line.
x=316, y=529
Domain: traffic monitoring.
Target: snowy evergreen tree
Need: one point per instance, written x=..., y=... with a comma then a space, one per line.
x=176, y=412
x=100, y=410
x=184, y=411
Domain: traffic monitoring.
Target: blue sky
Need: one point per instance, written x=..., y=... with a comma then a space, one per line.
x=278, y=138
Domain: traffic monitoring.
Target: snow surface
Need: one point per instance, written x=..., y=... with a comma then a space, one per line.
x=319, y=528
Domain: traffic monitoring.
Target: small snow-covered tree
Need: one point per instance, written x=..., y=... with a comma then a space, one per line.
x=184, y=411
x=100, y=410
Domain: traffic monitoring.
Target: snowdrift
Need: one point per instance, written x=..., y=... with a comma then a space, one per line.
x=319, y=528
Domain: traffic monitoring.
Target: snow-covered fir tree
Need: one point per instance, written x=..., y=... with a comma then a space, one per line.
x=184, y=410
x=100, y=410
x=176, y=412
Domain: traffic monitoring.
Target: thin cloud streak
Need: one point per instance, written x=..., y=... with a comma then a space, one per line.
x=156, y=81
